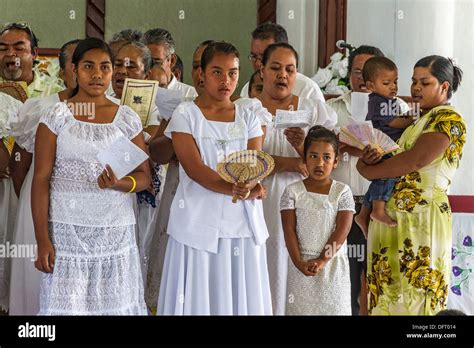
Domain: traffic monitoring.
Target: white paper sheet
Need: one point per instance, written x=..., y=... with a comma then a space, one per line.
x=288, y=119
x=122, y=156
x=167, y=100
x=359, y=105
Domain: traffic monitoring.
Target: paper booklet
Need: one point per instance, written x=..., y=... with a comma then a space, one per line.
x=289, y=119
x=122, y=156
x=140, y=96
x=167, y=100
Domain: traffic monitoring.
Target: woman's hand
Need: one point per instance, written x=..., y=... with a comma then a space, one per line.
x=46, y=256
x=300, y=167
x=107, y=178
x=295, y=136
x=306, y=267
x=371, y=155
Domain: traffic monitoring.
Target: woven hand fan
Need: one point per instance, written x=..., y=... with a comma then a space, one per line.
x=245, y=166
x=362, y=134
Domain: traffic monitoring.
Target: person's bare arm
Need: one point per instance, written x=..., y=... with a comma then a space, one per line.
x=351, y=150
x=45, y=153
x=290, y=164
x=288, y=221
x=20, y=162
x=401, y=122
x=4, y=158
x=427, y=148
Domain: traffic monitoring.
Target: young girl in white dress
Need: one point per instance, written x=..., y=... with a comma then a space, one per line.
x=316, y=215
x=279, y=70
x=215, y=259
x=83, y=215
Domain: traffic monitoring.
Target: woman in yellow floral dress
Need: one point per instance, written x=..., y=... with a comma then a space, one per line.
x=409, y=265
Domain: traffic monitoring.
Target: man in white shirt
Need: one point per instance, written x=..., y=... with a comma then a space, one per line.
x=162, y=47
x=263, y=36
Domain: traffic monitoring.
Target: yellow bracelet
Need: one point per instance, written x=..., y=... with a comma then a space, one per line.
x=134, y=182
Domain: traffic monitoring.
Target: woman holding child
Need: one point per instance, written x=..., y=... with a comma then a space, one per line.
x=408, y=264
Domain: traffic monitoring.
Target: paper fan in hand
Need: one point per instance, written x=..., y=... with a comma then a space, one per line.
x=362, y=134
x=245, y=166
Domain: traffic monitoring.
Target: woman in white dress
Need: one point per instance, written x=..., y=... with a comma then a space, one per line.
x=25, y=279
x=316, y=215
x=280, y=62
x=9, y=107
x=215, y=259
x=83, y=215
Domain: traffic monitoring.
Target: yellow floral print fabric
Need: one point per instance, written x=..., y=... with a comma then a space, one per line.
x=408, y=265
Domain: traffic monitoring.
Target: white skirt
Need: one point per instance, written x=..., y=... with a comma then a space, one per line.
x=25, y=279
x=96, y=272
x=234, y=281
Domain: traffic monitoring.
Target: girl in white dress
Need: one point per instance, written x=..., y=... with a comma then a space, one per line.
x=83, y=215
x=279, y=71
x=316, y=215
x=25, y=279
x=215, y=259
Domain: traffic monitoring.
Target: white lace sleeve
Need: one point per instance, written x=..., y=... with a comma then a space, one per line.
x=55, y=117
x=129, y=122
x=346, y=201
x=9, y=107
x=287, y=200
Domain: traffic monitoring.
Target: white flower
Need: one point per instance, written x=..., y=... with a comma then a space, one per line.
x=322, y=77
x=328, y=78
x=333, y=88
x=336, y=57
x=339, y=68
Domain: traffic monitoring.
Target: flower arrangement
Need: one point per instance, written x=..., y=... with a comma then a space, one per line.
x=334, y=78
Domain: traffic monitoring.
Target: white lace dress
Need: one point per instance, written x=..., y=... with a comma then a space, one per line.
x=97, y=270
x=329, y=292
x=276, y=144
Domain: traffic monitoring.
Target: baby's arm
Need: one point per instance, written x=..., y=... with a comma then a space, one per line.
x=401, y=122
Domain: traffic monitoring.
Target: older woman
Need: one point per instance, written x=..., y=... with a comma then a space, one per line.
x=278, y=71
x=408, y=265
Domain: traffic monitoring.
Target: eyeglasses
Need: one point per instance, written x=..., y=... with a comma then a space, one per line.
x=254, y=57
x=22, y=26
x=356, y=73
x=15, y=25
x=160, y=62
